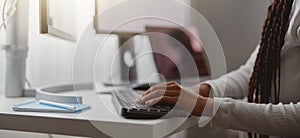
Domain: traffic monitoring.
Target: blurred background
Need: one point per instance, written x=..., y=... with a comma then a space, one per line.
x=238, y=24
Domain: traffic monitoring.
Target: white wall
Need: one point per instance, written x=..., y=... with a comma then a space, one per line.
x=2, y=63
x=162, y=10
x=238, y=24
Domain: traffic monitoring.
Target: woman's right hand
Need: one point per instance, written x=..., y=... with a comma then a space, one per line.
x=171, y=93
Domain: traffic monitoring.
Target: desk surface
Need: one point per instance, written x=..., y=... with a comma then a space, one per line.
x=101, y=120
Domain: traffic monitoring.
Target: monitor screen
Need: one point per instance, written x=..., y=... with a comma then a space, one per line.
x=165, y=63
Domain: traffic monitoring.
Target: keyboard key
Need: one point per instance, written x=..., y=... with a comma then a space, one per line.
x=153, y=109
x=164, y=110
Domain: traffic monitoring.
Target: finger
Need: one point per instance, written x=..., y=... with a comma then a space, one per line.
x=155, y=87
x=169, y=86
x=172, y=83
x=157, y=94
x=162, y=99
x=162, y=86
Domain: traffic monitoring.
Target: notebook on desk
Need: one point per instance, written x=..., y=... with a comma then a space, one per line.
x=35, y=106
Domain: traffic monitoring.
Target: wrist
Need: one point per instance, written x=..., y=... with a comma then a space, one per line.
x=204, y=90
x=203, y=107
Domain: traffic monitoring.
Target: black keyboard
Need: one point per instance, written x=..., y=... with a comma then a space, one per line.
x=124, y=101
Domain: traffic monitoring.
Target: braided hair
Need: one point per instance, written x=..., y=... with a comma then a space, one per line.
x=266, y=72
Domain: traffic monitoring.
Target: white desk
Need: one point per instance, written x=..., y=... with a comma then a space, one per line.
x=100, y=120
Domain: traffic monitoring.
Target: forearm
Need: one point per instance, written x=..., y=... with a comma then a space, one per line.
x=279, y=120
x=203, y=107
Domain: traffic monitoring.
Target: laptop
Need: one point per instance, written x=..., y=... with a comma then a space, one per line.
x=165, y=40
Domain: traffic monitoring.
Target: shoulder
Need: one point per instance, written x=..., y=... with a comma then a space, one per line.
x=293, y=34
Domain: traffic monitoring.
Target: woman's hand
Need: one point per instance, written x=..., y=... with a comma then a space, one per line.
x=171, y=93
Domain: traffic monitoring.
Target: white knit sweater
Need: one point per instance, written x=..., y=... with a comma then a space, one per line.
x=277, y=120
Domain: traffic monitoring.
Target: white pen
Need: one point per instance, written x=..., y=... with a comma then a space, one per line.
x=60, y=105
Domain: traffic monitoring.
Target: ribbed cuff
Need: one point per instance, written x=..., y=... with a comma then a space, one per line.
x=221, y=112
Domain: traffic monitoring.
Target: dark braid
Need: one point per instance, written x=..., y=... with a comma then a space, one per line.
x=266, y=72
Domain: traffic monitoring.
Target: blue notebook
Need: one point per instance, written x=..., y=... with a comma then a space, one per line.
x=35, y=106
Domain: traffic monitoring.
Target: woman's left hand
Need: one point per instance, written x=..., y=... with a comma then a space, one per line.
x=171, y=93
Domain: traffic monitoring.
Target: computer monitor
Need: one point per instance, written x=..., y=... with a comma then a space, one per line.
x=195, y=67
x=165, y=44
x=129, y=18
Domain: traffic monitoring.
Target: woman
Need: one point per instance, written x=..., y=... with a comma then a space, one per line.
x=270, y=80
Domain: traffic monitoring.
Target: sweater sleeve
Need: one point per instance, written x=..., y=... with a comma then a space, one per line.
x=235, y=83
x=267, y=119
